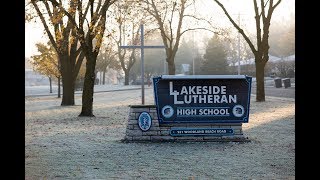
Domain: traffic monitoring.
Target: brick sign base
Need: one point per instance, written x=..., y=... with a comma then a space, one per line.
x=161, y=132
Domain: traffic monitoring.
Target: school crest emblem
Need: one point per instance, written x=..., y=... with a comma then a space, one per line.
x=144, y=121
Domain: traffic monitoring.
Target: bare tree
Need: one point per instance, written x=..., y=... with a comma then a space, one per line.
x=261, y=52
x=128, y=18
x=62, y=36
x=127, y=63
x=169, y=16
x=106, y=59
x=90, y=41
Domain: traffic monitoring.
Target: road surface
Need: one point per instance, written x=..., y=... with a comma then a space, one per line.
x=277, y=92
x=269, y=91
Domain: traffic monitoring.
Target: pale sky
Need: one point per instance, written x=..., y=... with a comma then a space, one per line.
x=34, y=31
x=33, y=34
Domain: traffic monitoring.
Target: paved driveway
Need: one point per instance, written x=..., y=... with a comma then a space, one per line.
x=277, y=92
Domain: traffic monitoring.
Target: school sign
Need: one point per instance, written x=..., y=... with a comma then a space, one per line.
x=202, y=98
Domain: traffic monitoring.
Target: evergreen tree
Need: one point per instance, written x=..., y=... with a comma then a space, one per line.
x=215, y=58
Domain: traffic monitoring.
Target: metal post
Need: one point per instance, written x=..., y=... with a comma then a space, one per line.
x=142, y=63
x=239, y=46
x=193, y=49
x=193, y=54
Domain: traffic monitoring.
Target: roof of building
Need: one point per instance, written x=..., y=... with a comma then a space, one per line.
x=271, y=59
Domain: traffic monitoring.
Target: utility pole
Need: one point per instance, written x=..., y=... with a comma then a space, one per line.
x=239, y=45
x=193, y=54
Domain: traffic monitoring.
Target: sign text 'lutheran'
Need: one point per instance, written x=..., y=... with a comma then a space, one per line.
x=201, y=94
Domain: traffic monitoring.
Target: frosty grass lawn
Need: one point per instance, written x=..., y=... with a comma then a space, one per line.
x=61, y=145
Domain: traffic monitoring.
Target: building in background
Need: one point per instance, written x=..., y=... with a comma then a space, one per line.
x=276, y=66
x=33, y=78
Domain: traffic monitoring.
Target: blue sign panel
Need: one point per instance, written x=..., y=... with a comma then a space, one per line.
x=202, y=98
x=144, y=121
x=201, y=131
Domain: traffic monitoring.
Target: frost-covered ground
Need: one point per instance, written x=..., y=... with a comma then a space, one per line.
x=61, y=145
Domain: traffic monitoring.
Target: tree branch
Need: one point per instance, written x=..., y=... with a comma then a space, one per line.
x=276, y=4
x=237, y=27
x=48, y=9
x=200, y=28
x=160, y=22
x=263, y=11
x=85, y=13
x=258, y=28
x=54, y=44
x=78, y=63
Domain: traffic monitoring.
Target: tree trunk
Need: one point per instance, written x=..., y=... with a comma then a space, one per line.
x=104, y=77
x=67, y=90
x=88, y=86
x=171, y=67
x=50, y=82
x=68, y=81
x=126, y=78
x=260, y=81
x=59, y=90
